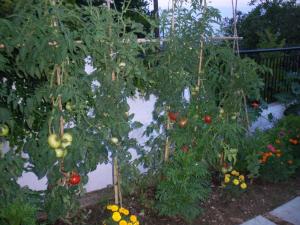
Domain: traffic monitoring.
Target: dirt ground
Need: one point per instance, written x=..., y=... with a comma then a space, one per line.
x=220, y=208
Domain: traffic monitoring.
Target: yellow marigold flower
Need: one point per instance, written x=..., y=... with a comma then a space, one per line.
x=113, y=208
x=236, y=182
x=133, y=218
x=227, y=179
x=137, y=223
x=124, y=211
x=235, y=173
x=123, y=222
x=227, y=175
x=129, y=223
x=243, y=185
x=241, y=178
x=116, y=216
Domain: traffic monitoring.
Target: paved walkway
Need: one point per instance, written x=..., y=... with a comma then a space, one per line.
x=287, y=214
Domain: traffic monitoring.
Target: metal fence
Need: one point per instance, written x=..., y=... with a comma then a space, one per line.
x=281, y=62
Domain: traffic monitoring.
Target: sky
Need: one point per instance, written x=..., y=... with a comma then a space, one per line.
x=223, y=5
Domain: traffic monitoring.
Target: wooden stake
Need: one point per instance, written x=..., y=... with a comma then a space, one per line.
x=115, y=180
x=167, y=144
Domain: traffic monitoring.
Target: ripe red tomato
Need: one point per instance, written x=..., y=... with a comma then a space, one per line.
x=255, y=104
x=207, y=119
x=183, y=122
x=74, y=178
x=173, y=116
x=185, y=148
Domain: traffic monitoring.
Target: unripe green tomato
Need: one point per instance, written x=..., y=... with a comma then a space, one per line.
x=69, y=106
x=221, y=111
x=4, y=130
x=54, y=141
x=66, y=140
x=59, y=153
x=114, y=140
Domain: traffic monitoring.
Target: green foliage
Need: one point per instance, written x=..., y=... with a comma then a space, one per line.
x=225, y=81
x=278, y=169
x=248, y=157
x=18, y=212
x=282, y=145
x=30, y=94
x=184, y=184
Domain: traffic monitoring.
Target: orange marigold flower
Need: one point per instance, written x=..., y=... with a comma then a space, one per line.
x=123, y=222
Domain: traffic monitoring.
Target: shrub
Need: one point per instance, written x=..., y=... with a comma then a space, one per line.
x=184, y=184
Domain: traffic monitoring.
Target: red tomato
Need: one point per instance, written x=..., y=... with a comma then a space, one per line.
x=173, y=116
x=183, y=122
x=74, y=178
x=207, y=119
x=255, y=104
x=185, y=148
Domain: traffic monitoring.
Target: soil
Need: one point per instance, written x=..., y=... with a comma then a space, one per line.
x=220, y=208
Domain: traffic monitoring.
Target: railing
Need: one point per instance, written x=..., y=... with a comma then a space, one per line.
x=281, y=61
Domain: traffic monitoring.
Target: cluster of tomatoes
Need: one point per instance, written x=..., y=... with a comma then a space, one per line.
x=60, y=144
x=182, y=122
x=60, y=147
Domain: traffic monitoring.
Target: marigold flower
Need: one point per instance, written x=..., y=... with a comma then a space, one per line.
x=241, y=178
x=129, y=223
x=116, y=216
x=133, y=218
x=243, y=185
x=227, y=175
x=124, y=211
x=236, y=182
x=235, y=173
x=123, y=222
x=113, y=208
x=227, y=179
x=137, y=223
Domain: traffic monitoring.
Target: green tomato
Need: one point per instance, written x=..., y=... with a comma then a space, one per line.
x=54, y=141
x=59, y=153
x=114, y=140
x=66, y=140
x=69, y=106
x=4, y=130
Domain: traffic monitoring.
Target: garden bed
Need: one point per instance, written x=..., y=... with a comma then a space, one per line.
x=220, y=208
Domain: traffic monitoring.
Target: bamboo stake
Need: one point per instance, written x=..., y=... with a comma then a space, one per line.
x=116, y=173
x=138, y=40
x=246, y=109
x=173, y=17
x=115, y=180
x=167, y=143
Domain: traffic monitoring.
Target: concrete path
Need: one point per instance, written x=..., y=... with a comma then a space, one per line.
x=288, y=213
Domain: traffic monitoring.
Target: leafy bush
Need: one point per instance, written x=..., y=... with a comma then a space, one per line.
x=278, y=168
x=184, y=184
x=18, y=212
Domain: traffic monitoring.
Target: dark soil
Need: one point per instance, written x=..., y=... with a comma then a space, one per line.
x=220, y=208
